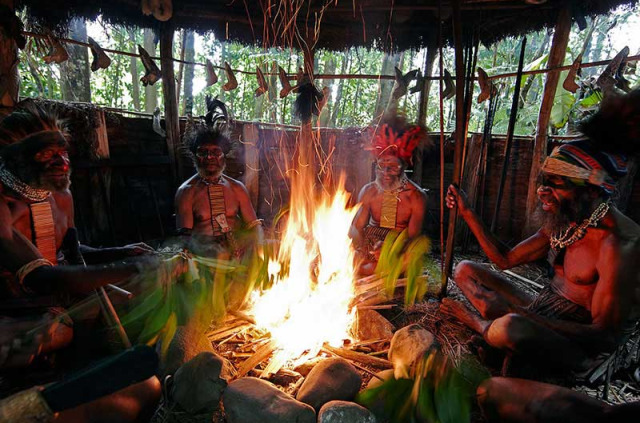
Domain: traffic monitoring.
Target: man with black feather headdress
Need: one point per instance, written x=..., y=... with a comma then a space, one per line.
x=211, y=207
x=593, y=300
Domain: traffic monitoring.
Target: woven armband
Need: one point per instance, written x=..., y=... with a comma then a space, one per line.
x=24, y=271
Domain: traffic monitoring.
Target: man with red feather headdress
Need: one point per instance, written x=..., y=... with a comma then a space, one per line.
x=392, y=202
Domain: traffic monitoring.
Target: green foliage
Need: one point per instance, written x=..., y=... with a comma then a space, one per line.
x=438, y=392
x=398, y=256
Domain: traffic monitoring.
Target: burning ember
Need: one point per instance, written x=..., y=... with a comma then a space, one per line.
x=309, y=303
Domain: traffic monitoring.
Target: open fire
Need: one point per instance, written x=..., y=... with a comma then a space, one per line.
x=309, y=302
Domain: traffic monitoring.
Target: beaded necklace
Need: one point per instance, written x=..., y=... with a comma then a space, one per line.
x=574, y=233
x=12, y=182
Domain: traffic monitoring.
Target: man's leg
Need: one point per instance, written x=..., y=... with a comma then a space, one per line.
x=519, y=400
x=133, y=404
x=490, y=293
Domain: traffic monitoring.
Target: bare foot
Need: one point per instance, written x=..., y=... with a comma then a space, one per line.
x=464, y=314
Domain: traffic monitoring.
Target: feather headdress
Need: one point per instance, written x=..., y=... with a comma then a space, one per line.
x=397, y=138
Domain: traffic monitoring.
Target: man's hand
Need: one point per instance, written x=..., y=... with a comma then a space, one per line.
x=137, y=249
x=457, y=198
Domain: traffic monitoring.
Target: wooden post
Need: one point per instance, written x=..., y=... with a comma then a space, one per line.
x=509, y=141
x=459, y=141
x=556, y=58
x=9, y=76
x=432, y=50
x=170, y=101
x=250, y=138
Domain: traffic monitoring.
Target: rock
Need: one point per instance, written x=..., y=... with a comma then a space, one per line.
x=344, y=412
x=372, y=326
x=408, y=345
x=331, y=379
x=384, y=375
x=187, y=342
x=252, y=400
x=198, y=384
x=305, y=368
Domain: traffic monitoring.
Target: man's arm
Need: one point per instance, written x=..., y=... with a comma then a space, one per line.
x=17, y=251
x=184, y=208
x=361, y=218
x=247, y=212
x=611, y=302
x=531, y=249
x=418, y=207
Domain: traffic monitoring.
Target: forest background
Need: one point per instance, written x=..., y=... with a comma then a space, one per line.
x=353, y=102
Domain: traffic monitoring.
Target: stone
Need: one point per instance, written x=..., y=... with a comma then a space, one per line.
x=344, y=412
x=331, y=379
x=197, y=385
x=372, y=326
x=187, y=342
x=252, y=400
x=408, y=345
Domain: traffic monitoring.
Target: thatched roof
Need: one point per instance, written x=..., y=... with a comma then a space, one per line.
x=385, y=24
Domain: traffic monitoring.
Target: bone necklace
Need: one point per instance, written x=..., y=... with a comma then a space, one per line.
x=574, y=233
x=12, y=182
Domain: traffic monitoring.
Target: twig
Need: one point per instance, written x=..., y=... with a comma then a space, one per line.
x=359, y=357
x=523, y=279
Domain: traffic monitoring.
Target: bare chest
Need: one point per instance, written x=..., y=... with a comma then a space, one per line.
x=403, y=213
x=203, y=205
x=23, y=220
x=579, y=264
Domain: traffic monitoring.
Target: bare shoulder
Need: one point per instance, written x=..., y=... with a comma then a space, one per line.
x=235, y=185
x=367, y=192
x=187, y=188
x=64, y=199
x=416, y=191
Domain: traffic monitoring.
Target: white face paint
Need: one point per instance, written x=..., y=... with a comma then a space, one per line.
x=389, y=172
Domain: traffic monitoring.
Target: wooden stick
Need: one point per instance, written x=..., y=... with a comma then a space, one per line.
x=509, y=141
x=258, y=357
x=359, y=357
x=170, y=106
x=242, y=316
x=459, y=142
x=556, y=58
x=376, y=307
x=523, y=279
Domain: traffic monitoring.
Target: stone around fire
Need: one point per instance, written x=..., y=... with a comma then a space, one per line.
x=344, y=412
x=199, y=383
x=252, y=400
x=408, y=345
x=331, y=379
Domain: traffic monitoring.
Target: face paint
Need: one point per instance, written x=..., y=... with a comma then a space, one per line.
x=210, y=160
x=389, y=170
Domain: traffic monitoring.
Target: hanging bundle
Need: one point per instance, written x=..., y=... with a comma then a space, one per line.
x=401, y=85
x=309, y=101
x=212, y=77
x=100, y=58
x=449, y=86
x=262, y=83
x=162, y=10
x=569, y=83
x=232, y=82
x=612, y=75
x=152, y=71
x=284, y=81
x=57, y=53
x=487, y=88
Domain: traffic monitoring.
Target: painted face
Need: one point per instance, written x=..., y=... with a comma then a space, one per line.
x=389, y=170
x=210, y=160
x=554, y=191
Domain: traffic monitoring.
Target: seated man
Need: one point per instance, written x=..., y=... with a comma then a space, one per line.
x=592, y=301
x=392, y=202
x=209, y=205
x=37, y=225
x=509, y=400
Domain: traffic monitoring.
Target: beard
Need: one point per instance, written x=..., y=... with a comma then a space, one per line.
x=210, y=174
x=394, y=183
x=38, y=176
x=568, y=212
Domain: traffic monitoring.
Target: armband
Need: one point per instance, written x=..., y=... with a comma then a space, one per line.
x=24, y=271
x=253, y=224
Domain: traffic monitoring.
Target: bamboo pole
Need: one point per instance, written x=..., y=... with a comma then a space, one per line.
x=422, y=108
x=510, y=130
x=170, y=104
x=9, y=75
x=556, y=58
x=459, y=141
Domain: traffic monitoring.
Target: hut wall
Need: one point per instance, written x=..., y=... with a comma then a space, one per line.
x=128, y=197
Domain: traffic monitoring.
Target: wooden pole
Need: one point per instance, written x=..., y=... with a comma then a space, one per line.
x=556, y=58
x=432, y=50
x=509, y=141
x=170, y=101
x=9, y=76
x=459, y=141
